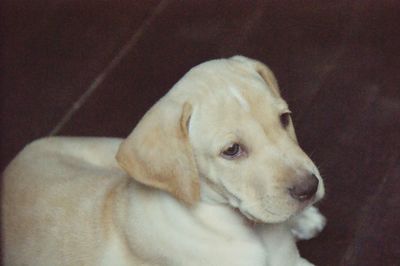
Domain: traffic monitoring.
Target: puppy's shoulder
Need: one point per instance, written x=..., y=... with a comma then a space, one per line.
x=94, y=150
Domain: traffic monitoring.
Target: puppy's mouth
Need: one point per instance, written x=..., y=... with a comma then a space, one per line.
x=239, y=206
x=248, y=218
x=236, y=203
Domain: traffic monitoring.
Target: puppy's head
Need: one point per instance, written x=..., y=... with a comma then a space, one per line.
x=224, y=134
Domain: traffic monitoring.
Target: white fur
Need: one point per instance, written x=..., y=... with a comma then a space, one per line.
x=308, y=223
x=67, y=201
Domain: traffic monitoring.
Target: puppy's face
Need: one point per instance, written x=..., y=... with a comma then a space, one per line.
x=245, y=147
x=223, y=133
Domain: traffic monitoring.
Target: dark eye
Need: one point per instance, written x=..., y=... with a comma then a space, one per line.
x=285, y=119
x=233, y=151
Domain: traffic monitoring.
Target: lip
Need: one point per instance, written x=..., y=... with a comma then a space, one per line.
x=235, y=202
x=248, y=218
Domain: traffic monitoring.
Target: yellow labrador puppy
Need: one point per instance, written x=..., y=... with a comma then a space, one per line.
x=211, y=175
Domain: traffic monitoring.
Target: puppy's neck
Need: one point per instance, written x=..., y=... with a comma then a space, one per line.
x=223, y=219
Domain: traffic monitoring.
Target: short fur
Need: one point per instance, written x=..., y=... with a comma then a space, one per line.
x=169, y=197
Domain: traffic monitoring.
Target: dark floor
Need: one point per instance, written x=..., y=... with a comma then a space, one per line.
x=94, y=67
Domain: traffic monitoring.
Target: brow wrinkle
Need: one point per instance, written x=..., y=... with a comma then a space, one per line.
x=235, y=92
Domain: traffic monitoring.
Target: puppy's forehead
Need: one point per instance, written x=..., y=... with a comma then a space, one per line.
x=234, y=106
x=227, y=85
x=229, y=78
x=231, y=100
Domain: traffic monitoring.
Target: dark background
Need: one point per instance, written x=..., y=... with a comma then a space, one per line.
x=93, y=68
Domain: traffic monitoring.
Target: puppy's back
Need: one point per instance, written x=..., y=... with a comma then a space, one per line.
x=55, y=196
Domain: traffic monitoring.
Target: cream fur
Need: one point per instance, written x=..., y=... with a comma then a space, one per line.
x=169, y=198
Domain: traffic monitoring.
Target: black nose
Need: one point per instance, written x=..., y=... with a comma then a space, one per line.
x=305, y=189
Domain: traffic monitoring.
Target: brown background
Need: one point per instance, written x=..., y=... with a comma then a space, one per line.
x=94, y=67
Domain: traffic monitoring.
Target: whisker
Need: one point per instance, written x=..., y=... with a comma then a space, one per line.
x=312, y=153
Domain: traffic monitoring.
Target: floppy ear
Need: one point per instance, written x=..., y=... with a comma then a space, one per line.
x=269, y=77
x=157, y=152
x=263, y=71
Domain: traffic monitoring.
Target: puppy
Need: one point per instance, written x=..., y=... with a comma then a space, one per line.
x=211, y=175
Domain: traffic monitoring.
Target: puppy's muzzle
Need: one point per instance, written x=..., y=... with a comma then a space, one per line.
x=304, y=189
